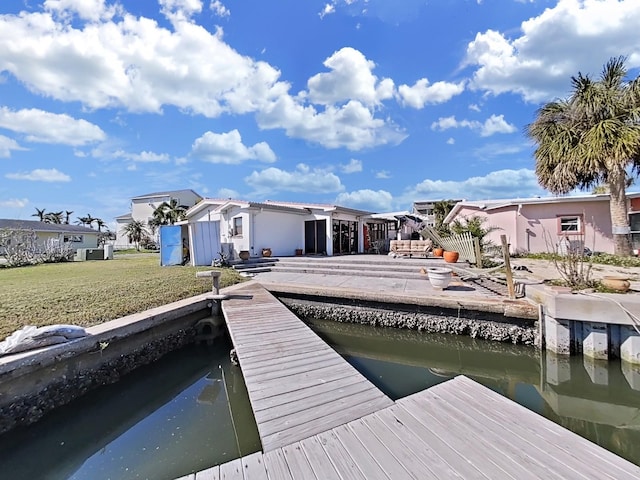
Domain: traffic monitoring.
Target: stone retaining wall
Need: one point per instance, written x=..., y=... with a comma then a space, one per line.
x=481, y=325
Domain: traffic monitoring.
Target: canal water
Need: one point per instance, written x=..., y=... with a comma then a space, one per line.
x=161, y=421
x=174, y=417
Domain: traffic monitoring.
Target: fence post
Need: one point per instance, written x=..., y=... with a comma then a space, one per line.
x=507, y=267
x=476, y=245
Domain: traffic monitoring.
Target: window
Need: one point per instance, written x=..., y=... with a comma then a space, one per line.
x=570, y=225
x=73, y=238
x=237, y=226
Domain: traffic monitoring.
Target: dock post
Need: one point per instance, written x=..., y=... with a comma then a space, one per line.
x=629, y=345
x=558, y=335
x=595, y=340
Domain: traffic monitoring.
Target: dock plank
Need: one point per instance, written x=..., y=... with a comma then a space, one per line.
x=212, y=473
x=276, y=465
x=453, y=430
x=567, y=447
x=280, y=356
x=253, y=467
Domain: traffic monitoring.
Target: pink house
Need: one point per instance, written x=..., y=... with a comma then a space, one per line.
x=534, y=224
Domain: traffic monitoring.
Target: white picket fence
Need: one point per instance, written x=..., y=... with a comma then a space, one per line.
x=461, y=243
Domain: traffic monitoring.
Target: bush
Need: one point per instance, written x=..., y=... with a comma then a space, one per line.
x=20, y=248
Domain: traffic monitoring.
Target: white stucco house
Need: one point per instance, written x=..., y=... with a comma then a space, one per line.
x=142, y=208
x=76, y=235
x=287, y=228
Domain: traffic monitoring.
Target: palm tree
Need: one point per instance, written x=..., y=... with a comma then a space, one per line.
x=83, y=221
x=135, y=232
x=591, y=139
x=67, y=214
x=40, y=214
x=170, y=212
x=440, y=211
x=100, y=223
x=53, y=217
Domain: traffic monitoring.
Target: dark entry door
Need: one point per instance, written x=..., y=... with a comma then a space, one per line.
x=315, y=236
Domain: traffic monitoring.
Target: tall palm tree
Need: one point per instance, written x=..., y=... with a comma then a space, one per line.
x=172, y=212
x=53, y=217
x=83, y=221
x=135, y=232
x=67, y=214
x=100, y=223
x=40, y=214
x=592, y=138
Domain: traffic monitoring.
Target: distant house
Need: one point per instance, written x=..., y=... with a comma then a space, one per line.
x=537, y=225
x=79, y=237
x=287, y=228
x=142, y=208
x=426, y=210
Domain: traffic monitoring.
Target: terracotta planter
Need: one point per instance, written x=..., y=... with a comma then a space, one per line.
x=619, y=284
x=450, y=257
x=244, y=255
x=266, y=252
x=439, y=277
x=437, y=252
x=298, y=252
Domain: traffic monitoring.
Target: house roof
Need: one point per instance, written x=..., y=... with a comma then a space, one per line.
x=38, y=226
x=170, y=193
x=488, y=205
x=125, y=216
x=292, y=207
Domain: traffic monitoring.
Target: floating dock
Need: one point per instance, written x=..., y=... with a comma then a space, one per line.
x=318, y=418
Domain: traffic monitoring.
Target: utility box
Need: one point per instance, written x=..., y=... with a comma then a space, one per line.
x=95, y=254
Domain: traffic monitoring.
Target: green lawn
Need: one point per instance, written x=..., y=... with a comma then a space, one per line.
x=88, y=293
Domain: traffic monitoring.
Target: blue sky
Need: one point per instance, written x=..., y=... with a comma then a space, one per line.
x=367, y=104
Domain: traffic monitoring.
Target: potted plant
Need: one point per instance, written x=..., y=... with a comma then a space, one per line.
x=266, y=252
x=244, y=255
x=438, y=251
x=298, y=252
x=440, y=277
x=450, y=257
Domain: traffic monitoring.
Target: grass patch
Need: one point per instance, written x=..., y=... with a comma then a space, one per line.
x=89, y=293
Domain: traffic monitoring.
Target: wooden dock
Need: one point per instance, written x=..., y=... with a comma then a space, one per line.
x=298, y=386
x=318, y=418
x=457, y=429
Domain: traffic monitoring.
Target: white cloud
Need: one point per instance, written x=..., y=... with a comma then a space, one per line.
x=40, y=175
x=494, y=124
x=498, y=184
x=180, y=8
x=14, y=203
x=6, y=145
x=421, y=93
x=351, y=126
x=474, y=107
x=384, y=174
x=143, y=157
x=327, y=10
x=92, y=10
x=585, y=33
x=451, y=141
x=228, y=148
x=303, y=179
x=227, y=193
x=371, y=200
x=45, y=127
x=352, y=167
x=219, y=9
x=134, y=63
x=350, y=78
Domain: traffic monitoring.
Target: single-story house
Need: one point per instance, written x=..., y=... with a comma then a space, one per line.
x=287, y=228
x=78, y=236
x=142, y=208
x=540, y=224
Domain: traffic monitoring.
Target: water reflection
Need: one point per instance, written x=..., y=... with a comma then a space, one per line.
x=161, y=421
x=597, y=400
